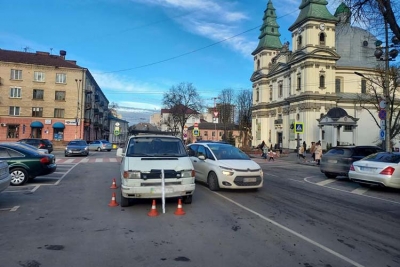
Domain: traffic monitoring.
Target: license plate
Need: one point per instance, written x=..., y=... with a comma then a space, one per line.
x=332, y=160
x=367, y=169
x=249, y=180
x=159, y=190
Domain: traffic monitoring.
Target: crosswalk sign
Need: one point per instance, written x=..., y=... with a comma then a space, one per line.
x=299, y=127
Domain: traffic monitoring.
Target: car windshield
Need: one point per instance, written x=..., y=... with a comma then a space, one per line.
x=384, y=157
x=77, y=143
x=224, y=152
x=155, y=146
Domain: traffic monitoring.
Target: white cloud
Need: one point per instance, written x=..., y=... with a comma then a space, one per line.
x=139, y=105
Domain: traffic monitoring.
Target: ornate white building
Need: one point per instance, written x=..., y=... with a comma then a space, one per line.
x=314, y=83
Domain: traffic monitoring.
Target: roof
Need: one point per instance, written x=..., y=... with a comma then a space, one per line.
x=342, y=8
x=336, y=112
x=38, y=58
x=179, y=109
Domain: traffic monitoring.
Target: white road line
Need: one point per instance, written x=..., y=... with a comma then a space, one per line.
x=35, y=188
x=62, y=177
x=69, y=161
x=360, y=190
x=341, y=190
x=14, y=208
x=294, y=232
x=99, y=160
x=113, y=159
x=299, y=181
x=325, y=182
x=85, y=160
x=271, y=174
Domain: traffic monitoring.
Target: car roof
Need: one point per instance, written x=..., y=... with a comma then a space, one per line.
x=153, y=136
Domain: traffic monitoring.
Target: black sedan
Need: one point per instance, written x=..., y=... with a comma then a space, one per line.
x=26, y=163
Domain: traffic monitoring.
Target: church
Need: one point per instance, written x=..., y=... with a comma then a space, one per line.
x=314, y=84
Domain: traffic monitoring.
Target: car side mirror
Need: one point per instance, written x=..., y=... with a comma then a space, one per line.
x=202, y=157
x=120, y=152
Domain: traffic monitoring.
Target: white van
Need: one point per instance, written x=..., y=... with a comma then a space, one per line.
x=144, y=158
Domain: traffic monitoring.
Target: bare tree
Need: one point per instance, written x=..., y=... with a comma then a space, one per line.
x=371, y=99
x=226, y=109
x=369, y=12
x=183, y=101
x=244, y=102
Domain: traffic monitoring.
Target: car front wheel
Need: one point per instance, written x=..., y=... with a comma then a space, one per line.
x=99, y=149
x=19, y=176
x=212, y=181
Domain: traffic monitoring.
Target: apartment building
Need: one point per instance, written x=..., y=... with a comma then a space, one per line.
x=49, y=96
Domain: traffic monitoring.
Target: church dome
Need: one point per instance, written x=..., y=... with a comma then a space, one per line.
x=336, y=113
x=342, y=9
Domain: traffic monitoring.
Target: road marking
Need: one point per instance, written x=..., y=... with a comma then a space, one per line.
x=10, y=209
x=85, y=160
x=69, y=161
x=325, y=182
x=65, y=174
x=99, y=160
x=360, y=190
x=271, y=174
x=293, y=232
x=35, y=188
x=296, y=180
x=349, y=192
x=113, y=160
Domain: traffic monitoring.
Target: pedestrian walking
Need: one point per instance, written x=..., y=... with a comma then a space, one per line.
x=271, y=155
x=312, y=151
x=301, y=153
x=265, y=151
x=318, y=152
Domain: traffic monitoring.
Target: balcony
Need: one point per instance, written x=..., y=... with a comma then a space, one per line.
x=96, y=98
x=96, y=111
x=88, y=91
x=88, y=106
x=278, y=121
x=87, y=122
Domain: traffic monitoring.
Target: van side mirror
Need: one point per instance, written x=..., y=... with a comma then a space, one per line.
x=120, y=152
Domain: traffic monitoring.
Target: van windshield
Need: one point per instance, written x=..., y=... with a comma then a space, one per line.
x=155, y=147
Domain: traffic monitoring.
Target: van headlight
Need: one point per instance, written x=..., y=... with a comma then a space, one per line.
x=227, y=171
x=131, y=174
x=187, y=173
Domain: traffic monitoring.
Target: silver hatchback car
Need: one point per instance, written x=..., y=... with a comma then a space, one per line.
x=100, y=145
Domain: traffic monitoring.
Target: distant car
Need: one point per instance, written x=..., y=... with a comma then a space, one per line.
x=337, y=161
x=26, y=163
x=39, y=143
x=224, y=166
x=5, y=176
x=41, y=150
x=381, y=169
x=100, y=145
x=76, y=148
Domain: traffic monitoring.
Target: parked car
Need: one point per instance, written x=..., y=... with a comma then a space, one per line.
x=144, y=160
x=76, y=148
x=224, y=166
x=41, y=150
x=100, y=145
x=337, y=161
x=39, y=143
x=26, y=163
x=5, y=176
x=381, y=169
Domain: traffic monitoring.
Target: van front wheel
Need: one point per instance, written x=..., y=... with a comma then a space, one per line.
x=187, y=199
x=124, y=201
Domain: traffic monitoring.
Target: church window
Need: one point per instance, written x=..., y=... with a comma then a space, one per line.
x=338, y=85
x=290, y=86
x=348, y=128
x=298, y=82
x=299, y=42
x=270, y=93
x=280, y=91
x=258, y=64
x=272, y=30
x=257, y=95
x=321, y=81
x=272, y=12
x=322, y=38
x=363, y=86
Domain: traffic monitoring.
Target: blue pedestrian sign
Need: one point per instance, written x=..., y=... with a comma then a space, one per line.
x=298, y=127
x=382, y=134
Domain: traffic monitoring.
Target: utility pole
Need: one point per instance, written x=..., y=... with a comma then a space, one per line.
x=78, y=85
x=215, y=115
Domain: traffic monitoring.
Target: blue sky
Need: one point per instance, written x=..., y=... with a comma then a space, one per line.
x=138, y=49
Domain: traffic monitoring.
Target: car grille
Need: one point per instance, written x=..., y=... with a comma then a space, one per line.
x=156, y=174
x=239, y=181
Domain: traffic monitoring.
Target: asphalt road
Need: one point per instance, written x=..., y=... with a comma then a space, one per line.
x=299, y=218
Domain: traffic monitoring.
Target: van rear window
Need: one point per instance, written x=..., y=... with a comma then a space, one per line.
x=155, y=146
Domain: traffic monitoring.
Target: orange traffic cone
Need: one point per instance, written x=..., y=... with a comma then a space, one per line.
x=113, y=202
x=153, y=212
x=179, y=210
x=114, y=185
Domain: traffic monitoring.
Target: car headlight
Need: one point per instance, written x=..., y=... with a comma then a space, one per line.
x=227, y=171
x=187, y=174
x=131, y=174
x=86, y=148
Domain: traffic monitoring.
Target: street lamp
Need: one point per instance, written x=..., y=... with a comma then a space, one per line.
x=78, y=86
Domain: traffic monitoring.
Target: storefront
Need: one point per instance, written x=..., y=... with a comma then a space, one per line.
x=36, y=129
x=58, y=131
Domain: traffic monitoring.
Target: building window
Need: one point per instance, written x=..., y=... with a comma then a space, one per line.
x=323, y=134
x=348, y=128
x=257, y=95
x=258, y=64
x=12, y=131
x=321, y=81
x=16, y=74
x=270, y=93
x=38, y=94
x=272, y=30
x=14, y=111
x=280, y=91
x=213, y=134
x=37, y=112
x=205, y=133
x=363, y=86
x=337, y=85
x=298, y=82
x=15, y=92
x=220, y=134
x=38, y=76
x=58, y=113
x=299, y=42
x=61, y=78
x=60, y=95
x=322, y=38
x=290, y=86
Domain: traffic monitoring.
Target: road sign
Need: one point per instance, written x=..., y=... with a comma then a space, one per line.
x=382, y=134
x=116, y=132
x=215, y=114
x=196, y=125
x=382, y=104
x=382, y=114
x=196, y=132
x=299, y=127
x=383, y=124
x=184, y=136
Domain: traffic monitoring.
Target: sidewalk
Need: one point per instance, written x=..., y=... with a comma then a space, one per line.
x=290, y=157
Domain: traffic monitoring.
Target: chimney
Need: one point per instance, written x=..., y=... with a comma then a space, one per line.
x=63, y=53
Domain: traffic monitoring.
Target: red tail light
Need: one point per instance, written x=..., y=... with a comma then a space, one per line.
x=42, y=146
x=45, y=160
x=388, y=171
x=352, y=167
